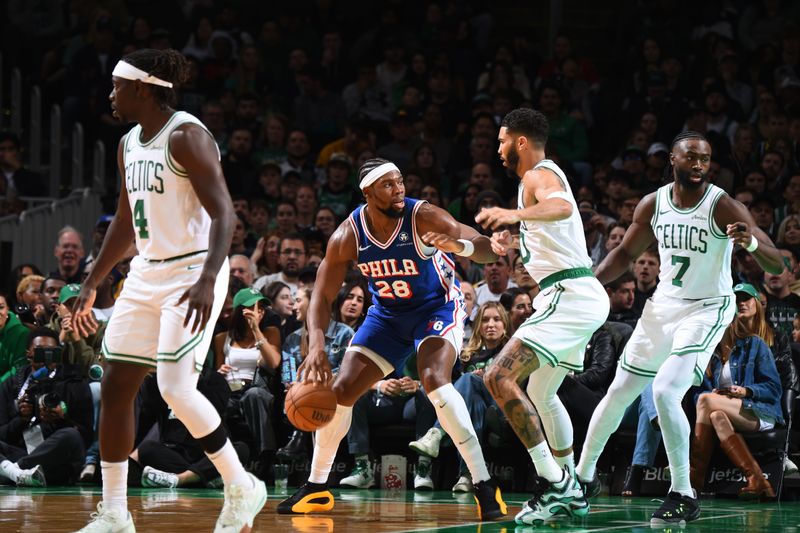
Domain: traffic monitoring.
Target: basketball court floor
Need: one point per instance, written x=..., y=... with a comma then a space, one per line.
x=59, y=510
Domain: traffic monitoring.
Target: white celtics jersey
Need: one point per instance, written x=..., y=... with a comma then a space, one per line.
x=695, y=253
x=168, y=219
x=550, y=247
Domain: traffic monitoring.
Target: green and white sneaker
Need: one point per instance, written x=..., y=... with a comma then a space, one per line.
x=152, y=477
x=107, y=520
x=422, y=476
x=361, y=477
x=242, y=504
x=552, y=501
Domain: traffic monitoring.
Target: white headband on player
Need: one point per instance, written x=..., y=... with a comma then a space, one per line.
x=374, y=174
x=129, y=72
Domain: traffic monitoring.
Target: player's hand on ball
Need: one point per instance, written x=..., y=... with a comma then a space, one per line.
x=495, y=217
x=501, y=242
x=315, y=368
x=740, y=234
x=443, y=242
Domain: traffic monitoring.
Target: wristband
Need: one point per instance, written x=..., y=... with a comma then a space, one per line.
x=468, y=250
x=753, y=246
x=258, y=344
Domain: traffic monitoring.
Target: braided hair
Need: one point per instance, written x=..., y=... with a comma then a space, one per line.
x=683, y=136
x=369, y=165
x=169, y=65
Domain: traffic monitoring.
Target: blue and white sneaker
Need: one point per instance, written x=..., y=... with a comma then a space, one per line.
x=552, y=501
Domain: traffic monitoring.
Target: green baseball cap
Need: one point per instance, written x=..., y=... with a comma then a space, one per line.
x=69, y=291
x=246, y=297
x=741, y=287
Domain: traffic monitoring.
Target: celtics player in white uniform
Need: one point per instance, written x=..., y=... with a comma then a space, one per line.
x=570, y=306
x=695, y=225
x=175, y=205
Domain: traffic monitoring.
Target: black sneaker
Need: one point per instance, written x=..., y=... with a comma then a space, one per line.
x=590, y=488
x=677, y=509
x=310, y=498
x=490, y=502
x=296, y=450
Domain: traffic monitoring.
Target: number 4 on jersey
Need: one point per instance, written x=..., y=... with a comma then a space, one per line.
x=139, y=219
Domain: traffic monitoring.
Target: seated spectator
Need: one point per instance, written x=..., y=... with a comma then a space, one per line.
x=294, y=350
x=523, y=279
x=59, y=403
x=581, y=392
x=385, y=403
x=621, y=297
x=645, y=270
x=742, y=393
x=19, y=181
x=351, y=304
x=51, y=290
x=13, y=341
x=252, y=343
x=265, y=256
x=243, y=268
x=326, y=221
x=292, y=256
x=280, y=296
x=517, y=303
x=497, y=276
x=486, y=342
x=28, y=307
x=78, y=350
x=614, y=234
x=782, y=303
x=175, y=458
x=69, y=255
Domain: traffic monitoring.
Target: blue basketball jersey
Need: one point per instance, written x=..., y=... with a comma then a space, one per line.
x=404, y=274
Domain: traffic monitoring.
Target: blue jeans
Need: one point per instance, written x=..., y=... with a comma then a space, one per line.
x=647, y=437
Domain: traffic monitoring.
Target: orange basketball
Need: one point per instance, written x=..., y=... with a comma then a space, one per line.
x=309, y=406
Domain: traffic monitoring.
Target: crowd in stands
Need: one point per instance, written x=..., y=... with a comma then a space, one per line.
x=296, y=100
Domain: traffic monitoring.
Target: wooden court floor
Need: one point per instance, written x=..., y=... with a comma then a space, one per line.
x=162, y=510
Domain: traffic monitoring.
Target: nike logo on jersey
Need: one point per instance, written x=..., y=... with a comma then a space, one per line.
x=362, y=248
x=664, y=212
x=193, y=267
x=441, y=403
x=706, y=304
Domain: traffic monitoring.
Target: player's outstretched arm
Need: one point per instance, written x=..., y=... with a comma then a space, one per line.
x=341, y=251
x=115, y=247
x=438, y=228
x=733, y=217
x=636, y=240
x=196, y=151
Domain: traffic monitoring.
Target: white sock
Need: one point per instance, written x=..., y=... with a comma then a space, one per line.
x=326, y=443
x=10, y=470
x=546, y=466
x=229, y=467
x=566, y=461
x=670, y=385
x=115, y=485
x=454, y=418
x=606, y=418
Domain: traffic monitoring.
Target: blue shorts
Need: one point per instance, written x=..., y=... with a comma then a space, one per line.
x=389, y=339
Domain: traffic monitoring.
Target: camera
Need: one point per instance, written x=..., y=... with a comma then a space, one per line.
x=50, y=400
x=25, y=314
x=48, y=354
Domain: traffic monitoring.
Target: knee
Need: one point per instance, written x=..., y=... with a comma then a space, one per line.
x=432, y=379
x=704, y=403
x=173, y=393
x=719, y=419
x=257, y=395
x=343, y=396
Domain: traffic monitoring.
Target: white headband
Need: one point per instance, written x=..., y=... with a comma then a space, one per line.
x=129, y=72
x=373, y=175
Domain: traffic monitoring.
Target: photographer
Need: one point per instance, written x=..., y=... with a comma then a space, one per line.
x=45, y=417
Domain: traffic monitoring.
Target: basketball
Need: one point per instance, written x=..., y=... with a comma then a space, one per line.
x=309, y=406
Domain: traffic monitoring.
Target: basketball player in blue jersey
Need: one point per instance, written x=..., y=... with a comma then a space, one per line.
x=418, y=306
x=696, y=225
x=175, y=205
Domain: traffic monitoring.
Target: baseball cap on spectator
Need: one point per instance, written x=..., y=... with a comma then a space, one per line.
x=270, y=163
x=246, y=297
x=657, y=148
x=68, y=292
x=489, y=195
x=633, y=150
x=746, y=288
x=103, y=221
x=340, y=158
